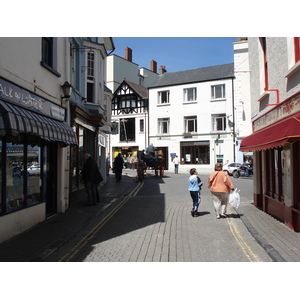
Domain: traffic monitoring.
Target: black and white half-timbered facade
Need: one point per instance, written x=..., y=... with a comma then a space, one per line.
x=129, y=120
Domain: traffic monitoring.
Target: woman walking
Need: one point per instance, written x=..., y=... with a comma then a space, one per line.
x=220, y=185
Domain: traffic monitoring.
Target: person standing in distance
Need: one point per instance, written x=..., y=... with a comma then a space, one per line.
x=220, y=185
x=176, y=164
x=91, y=177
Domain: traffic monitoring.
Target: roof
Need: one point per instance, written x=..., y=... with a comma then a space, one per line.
x=140, y=90
x=194, y=75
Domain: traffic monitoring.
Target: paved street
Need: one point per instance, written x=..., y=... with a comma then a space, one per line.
x=154, y=224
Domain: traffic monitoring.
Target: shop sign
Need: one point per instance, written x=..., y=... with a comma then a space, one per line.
x=286, y=109
x=29, y=100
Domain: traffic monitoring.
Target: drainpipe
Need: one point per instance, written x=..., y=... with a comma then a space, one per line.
x=233, y=120
x=278, y=96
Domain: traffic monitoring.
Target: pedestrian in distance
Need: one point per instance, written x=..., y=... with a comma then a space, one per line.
x=91, y=177
x=118, y=166
x=108, y=166
x=176, y=164
x=220, y=185
x=194, y=186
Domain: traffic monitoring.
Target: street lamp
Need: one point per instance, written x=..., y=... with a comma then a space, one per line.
x=67, y=90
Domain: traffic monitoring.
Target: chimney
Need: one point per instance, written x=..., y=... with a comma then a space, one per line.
x=128, y=54
x=153, y=66
x=162, y=70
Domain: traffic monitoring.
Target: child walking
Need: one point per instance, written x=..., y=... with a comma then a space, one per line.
x=194, y=186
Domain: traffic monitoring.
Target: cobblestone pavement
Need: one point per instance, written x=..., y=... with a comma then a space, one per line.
x=160, y=231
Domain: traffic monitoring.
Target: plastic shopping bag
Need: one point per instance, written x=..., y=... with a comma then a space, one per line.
x=234, y=198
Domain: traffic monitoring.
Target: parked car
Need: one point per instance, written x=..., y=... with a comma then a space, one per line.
x=34, y=169
x=229, y=168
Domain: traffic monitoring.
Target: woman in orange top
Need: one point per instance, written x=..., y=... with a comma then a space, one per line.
x=220, y=185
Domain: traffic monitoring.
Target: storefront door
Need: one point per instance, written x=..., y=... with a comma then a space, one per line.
x=51, y=179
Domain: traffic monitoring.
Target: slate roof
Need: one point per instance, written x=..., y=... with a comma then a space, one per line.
x=194, y=75
x=140, y=90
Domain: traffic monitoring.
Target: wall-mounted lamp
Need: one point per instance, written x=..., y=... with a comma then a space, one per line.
x=67, y=90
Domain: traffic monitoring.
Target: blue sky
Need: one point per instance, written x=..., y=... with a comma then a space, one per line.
x=177, y=53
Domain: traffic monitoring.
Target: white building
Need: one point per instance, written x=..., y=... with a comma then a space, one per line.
x=119, y=69
x=191, y=115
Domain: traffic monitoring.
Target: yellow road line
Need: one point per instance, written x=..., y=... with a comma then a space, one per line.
x=251, y=256
x=96, y=228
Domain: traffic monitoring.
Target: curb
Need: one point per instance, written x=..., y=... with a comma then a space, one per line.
x=270, y=250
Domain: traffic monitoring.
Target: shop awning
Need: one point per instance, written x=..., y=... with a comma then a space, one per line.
x=14, y=119
x=284, y=131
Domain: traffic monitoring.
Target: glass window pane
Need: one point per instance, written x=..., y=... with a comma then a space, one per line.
x=14, y=176
x=34, y=175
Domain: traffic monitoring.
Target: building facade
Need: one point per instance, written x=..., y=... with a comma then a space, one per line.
x=35, y=133
x=89, y=101
x=45, y=128
x=129, y=109
x=191, y=115
x=275, y=141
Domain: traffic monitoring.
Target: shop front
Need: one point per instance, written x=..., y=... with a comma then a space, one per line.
x=33, y=140
x=276, y=148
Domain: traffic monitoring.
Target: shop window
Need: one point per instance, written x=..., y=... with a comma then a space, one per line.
x=197, y=153
x=22, y=176
x=274, y=169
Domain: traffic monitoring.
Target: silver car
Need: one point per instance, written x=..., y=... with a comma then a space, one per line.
x=34, y=169
x=229, y=168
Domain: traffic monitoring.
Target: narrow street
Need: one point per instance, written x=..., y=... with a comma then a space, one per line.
x=153, y=223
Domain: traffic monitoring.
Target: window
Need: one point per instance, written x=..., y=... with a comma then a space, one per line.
x=22, y=176
x=190, y=94
x=218, y=92
x=47, y=46
x=142, y=125
x=190, y=124
x=195, y=153
x=49, y=54
x=163, y=97
x=219, y=122
x=127, y=130
x=163, y=126
x=263, y=43
x=275, y=176
x=90, y=65
x=297, y=48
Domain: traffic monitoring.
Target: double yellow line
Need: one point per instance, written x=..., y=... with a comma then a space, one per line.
x=241, y=242
x=96, y=228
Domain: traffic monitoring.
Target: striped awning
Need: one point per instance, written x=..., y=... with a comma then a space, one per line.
x=14, y=120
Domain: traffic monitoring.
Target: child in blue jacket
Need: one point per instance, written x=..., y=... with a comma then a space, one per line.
x=194, y=186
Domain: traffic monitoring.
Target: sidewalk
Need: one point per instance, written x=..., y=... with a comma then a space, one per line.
x=36, y=244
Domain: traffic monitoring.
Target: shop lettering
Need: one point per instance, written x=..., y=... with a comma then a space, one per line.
x=30, y=101
x=288, y=107
x=4, y=91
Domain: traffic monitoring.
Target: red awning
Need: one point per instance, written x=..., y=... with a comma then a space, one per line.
x=284, y=131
